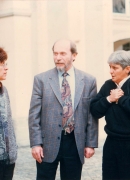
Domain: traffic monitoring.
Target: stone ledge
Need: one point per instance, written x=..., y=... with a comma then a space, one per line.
x=15, y=12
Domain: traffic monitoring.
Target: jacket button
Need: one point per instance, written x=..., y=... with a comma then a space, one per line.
x=61, y=114
x=59, y=125
x=58, y=137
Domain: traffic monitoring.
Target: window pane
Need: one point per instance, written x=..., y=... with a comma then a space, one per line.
x=126, y=47
x=119, y=6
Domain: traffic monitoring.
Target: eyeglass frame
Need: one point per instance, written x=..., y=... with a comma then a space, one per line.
x=4, y=65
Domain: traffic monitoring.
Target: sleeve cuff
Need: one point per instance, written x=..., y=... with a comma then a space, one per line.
x=36, y=146
x=108, y=99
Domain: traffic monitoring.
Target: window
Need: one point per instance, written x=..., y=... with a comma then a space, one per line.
x=119, y=6
x=126, y=47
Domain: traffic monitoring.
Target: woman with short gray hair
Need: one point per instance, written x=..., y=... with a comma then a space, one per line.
x=113, y=102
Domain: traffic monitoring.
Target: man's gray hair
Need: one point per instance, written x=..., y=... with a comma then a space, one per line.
x=73, y=47
x=120, y=57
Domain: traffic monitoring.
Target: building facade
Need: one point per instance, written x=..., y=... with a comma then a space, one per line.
x=28, y=29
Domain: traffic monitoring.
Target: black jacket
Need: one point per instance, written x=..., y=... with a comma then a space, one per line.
x=117, y=116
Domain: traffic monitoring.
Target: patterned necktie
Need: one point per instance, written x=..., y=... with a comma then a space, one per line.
x=68, y=120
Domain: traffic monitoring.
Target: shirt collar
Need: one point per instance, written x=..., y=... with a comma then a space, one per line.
x=122, y=82
x=70, y=72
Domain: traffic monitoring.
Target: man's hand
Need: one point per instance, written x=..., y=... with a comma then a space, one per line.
x=37, y=153
x=115, y=94
x=89, y=152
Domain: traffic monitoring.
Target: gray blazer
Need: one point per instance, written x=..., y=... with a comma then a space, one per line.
x=45, y=114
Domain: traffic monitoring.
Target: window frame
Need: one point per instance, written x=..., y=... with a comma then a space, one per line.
x=122, y=15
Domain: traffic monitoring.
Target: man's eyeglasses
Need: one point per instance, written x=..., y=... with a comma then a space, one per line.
x=4, y=65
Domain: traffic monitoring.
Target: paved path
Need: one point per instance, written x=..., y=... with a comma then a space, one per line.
x=25, y=166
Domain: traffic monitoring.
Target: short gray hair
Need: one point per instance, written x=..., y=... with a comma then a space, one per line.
x=120, y=57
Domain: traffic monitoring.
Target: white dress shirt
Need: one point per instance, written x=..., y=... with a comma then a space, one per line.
x=122, y=82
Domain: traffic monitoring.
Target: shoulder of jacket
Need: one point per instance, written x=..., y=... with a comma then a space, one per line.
x=5, y=89
x=109, y=81
x=44, y=74
x=85, y=74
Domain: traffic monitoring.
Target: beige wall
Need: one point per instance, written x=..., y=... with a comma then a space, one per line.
x=28, y=30
x=121, y=26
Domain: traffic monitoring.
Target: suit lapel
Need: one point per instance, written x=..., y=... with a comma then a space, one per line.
x=79, y=85
x=54, y=82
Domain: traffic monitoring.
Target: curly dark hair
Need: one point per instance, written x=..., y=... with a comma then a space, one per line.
x=3, y=55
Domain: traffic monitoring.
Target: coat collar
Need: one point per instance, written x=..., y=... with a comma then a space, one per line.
x=79, y=85
x=54, y=82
